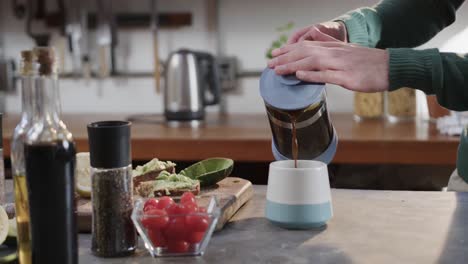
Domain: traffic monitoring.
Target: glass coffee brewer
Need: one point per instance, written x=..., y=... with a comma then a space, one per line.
x=299, y=118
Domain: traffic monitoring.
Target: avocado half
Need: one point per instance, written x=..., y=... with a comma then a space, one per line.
x=209, y=171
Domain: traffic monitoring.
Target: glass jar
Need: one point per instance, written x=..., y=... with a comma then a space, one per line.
x=113, y=233
x=368, y=105
x=299, y=119
x=401, y=104
x=435, y=110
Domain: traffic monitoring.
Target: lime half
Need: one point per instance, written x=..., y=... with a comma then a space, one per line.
x=209, y=171
x=4, y=225
x=83, y=174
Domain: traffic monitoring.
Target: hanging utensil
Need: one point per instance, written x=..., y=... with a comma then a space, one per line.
x=36, y=10
x=154, y=30
x=85, y=58
x=73, y=29
x=7, y=67
x=104, y=41
x=111, y=18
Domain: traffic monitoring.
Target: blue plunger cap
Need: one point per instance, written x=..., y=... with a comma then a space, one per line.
x=288, y=92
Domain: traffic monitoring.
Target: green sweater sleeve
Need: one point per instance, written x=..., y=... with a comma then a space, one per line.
x=433, y=72
x=398, y=24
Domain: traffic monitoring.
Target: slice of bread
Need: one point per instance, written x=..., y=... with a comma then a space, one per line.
x=146, y=189
x=150, y=171
x=168, y=184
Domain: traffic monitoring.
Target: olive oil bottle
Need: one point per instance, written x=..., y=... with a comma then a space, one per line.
x=28, y=72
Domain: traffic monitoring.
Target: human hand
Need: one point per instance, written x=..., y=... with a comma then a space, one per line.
x=327, y=31
x=351, y=66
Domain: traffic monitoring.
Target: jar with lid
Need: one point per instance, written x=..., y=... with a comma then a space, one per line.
x=299, y=119
x=113, y=233
x=368, y=105
x=401, y=104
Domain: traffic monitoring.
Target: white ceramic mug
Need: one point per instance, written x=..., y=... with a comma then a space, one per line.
x=298, y=198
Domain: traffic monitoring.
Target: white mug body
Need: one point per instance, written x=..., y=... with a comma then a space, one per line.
x=298, y=198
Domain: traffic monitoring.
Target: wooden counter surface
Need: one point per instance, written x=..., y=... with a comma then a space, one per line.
x=247, y=137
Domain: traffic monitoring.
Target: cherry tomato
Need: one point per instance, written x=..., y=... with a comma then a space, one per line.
x=176, y=229
x=155, y=219
x=157, y=237
x=150, y=204
x=195, y=237
x=171, y=209
x=183, y=209
x=197, y=223
x=177, y=246
x=164, y=202
x=191, y=207
x=187, y=197
x=203, y=213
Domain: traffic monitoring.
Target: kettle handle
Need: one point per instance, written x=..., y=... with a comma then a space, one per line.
x=212, y=79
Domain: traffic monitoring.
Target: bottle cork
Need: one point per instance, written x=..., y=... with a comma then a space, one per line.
x=28, y=62
x=47, y=60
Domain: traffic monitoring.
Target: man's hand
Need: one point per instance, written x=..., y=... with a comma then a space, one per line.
x=327, y=31
x=353, y=67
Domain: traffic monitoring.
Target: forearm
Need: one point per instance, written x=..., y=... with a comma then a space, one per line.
x=399, y=23
x=442, y=74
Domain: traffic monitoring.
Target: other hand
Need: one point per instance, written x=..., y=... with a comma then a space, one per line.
x=327, y=31
x=351, y=66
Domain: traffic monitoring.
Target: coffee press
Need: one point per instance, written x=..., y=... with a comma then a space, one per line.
x=298, y=192
x=291, y=103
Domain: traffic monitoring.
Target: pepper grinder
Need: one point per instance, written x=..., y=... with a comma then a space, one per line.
x=113, y=233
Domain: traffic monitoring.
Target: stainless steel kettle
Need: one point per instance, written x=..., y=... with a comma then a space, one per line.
x=191, y=83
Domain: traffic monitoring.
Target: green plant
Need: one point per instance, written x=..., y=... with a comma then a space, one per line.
x=282, y=38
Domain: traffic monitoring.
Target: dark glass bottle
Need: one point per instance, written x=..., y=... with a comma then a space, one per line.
x=50, y=165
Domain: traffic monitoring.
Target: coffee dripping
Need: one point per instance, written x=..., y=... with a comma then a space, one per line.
x=298, y=117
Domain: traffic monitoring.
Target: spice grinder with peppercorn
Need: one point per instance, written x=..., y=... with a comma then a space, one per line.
x=113, y=233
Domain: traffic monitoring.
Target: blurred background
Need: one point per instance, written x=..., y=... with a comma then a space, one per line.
x=109, y=66
x=240, y=29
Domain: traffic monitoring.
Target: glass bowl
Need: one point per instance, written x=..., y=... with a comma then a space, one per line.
x=177, y=234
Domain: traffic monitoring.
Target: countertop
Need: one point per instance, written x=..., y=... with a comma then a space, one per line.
x=247, y=137
x=367, y=227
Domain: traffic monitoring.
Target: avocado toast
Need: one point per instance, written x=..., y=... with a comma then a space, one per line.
x=150, y=171
x=168, y=184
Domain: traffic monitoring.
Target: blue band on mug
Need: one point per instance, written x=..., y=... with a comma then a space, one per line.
x=300, y=216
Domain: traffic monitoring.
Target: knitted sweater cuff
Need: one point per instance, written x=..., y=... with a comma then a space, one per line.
x=411, y=68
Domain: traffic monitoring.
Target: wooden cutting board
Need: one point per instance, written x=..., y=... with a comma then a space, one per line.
x=231, y=192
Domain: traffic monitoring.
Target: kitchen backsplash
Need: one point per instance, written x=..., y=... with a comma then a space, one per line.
x=246, y=30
